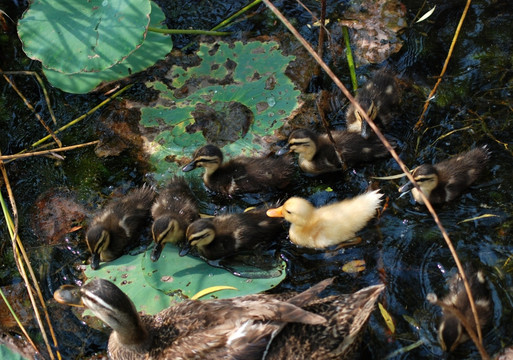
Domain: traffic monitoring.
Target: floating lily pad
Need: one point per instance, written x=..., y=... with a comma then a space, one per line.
x=155, y=47
x=6, y=353
x=147, y=282
x=83, y=36
x=243, y=86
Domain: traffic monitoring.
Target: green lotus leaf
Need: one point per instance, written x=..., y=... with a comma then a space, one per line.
x=234, y=98
x=6, y=353
x=149, y=283
x=155, y=47
x=83, y=36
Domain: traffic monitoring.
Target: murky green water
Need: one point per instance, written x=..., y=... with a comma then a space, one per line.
x=403, y=248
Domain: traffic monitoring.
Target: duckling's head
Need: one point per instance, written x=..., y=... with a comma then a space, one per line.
x=199, y=234
x=426, y=177
x=165, y=229
x=303, y=142
x=356, y=122
x=98, y=240
x=295, y=210
x=209, y=157
x=111, y=305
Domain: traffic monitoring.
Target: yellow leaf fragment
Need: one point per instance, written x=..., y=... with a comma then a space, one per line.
x=484, y=216
x=211, y=290
x=354, y=266
x=388, y=318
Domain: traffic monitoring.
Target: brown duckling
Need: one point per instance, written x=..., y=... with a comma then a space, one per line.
x=241, y=174
x=451, y=332
x=249, y=327
x=227, y=234
x=317, y=154
x=117, y=227
x=329, y=225
x=378, y=96
x=174, y=209
x=445, y=181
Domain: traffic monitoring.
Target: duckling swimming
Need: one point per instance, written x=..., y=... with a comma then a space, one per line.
x=378, y=97
x=225, y=235
x=318, y=156
x=451, y=332
x=116, y=228
x=445, y=181
x=329, y=225
x=241, y=174
x=250, y=327
x=174, y=209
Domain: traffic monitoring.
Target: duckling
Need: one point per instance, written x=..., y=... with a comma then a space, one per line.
x=329, y=225
x=241, y=174
x=174, y=209
x=451, y=332
x=378, y=96
x=227, y=234
x=248, y=327
x=445, y=181
x=116, y=228
x=317, y=154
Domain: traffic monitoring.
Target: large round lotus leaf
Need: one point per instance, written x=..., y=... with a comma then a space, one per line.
x=147, y=282
x=6, y=353
x=76, y=36
x=155, y=47
x=242, y=76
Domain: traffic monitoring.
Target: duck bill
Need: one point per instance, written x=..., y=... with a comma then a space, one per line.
x=284, y=150
x=185, y=250
x=406, y=187
x=366, y=130
x=278, y=212
x=155, y=253
x=69, y=295
x=95, y=261
x=190, y=166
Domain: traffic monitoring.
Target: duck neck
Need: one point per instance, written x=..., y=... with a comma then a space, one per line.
x=133, y=337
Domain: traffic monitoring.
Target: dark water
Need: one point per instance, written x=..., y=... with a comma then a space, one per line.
x=404, y=247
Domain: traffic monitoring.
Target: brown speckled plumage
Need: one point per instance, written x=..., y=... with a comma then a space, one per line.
x=446, y=180
x=117, y=227
x=237, y=328
x=317, y=154
x=241, y=174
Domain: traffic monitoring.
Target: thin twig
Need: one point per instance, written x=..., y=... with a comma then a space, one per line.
x=420, y=122
x=241, y=11
x=31, y=108
x=47, y=152
x=390, y=150
x=43, y=87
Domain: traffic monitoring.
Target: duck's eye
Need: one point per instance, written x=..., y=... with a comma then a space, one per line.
x=288, y=211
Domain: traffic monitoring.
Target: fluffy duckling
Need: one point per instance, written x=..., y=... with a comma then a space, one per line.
x=317, y=154
x=241, y=174
x=174, y=209
x=329, y=225
x=378, y=96
x=225, y=235
x=249, y=327
x=445, y=181
x=117, y=227
x=451, y=332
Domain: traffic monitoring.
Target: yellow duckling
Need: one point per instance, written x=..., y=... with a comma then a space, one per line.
x=249, y=327
x=451, y=332
x=241, y=174
x=228, y=234
x=318, y=156
x=445, y=181
x=174, y=209
x=329, y=225
x=117, y=227
x=377, y=96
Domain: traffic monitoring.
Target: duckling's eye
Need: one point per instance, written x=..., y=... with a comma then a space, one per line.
x=288, y=211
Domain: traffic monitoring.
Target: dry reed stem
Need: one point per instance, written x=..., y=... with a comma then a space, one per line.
x=385, y=142
x=47, y=152
x=17, y=248
x=420, y=122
